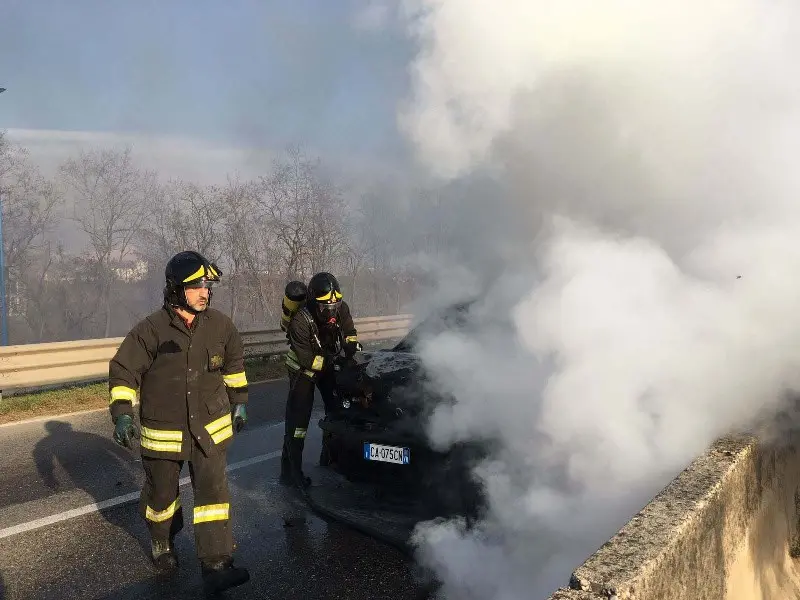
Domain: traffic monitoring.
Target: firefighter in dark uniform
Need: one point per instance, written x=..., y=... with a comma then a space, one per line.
x=318, y=333
x=186, y=361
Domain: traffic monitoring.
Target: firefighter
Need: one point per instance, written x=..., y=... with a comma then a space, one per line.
x=186, y=362
x=318, y=333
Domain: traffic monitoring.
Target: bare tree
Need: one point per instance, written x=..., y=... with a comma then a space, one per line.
x=288, y=201
x=110, y=207
x=368, y=236
x=181, y=216
x=239, y=200
x=62, y=303
x=327, y=239
x=29, y=202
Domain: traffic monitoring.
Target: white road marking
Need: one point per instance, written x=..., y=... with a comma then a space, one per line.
x=97, y=506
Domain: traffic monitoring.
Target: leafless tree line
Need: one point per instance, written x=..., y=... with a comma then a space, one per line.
x=294, y=220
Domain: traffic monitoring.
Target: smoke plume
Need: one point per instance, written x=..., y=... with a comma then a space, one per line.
x=651, y=304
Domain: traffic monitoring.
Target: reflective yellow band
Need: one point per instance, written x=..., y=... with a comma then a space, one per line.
x=317, y=364
x=211, y=512
x=235, y=379
x=162, y=515
x=160, y=446
x=161, y=440
x=300, y=432
x=351, y=338
x=121, y=392
x=199, y=273
x=290, y=306
x=222, y=434
x=163, y=435
x=220, y=429
x=295, y=366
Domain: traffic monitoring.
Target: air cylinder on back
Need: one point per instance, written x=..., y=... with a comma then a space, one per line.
x=294, y=296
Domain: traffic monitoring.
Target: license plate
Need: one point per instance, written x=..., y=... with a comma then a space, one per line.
x=390, y=454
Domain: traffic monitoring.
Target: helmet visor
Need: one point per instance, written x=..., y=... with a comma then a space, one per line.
x=199, y=284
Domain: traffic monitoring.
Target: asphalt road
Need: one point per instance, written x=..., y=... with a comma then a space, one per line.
x=69, y=526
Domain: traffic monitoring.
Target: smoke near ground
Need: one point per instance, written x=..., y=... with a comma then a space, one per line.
x=650, y=149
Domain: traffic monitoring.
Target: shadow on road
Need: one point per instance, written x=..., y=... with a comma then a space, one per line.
x=2, y=588
x=94, y=464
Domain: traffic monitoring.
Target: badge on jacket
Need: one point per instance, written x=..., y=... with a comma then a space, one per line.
x=216, y=361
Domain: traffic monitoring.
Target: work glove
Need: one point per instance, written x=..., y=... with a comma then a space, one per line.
x=239, y=416
x=125, y=430
x=343, y=361
x=350, y=348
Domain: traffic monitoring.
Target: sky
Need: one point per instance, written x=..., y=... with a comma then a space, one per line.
x=199, y=82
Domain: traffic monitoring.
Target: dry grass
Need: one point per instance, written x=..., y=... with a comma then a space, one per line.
x=53, y=402
x=95, y=396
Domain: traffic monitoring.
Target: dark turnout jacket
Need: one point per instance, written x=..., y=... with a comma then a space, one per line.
x=186, y=380
x=313, y=348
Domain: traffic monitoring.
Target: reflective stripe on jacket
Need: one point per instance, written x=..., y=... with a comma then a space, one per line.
x=186, y=380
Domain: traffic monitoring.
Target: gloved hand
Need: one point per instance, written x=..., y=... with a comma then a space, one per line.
x=351, y=348
x=343, y=361
x=125, y=430
x=239, y=415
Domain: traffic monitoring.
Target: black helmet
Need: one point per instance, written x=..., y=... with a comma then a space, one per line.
x=324, y=297
x=188, y=270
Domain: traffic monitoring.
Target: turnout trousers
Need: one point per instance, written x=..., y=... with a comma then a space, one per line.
x=299, y=405
x=160, y=503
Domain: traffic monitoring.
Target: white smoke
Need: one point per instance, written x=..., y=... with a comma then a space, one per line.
x=651, y=147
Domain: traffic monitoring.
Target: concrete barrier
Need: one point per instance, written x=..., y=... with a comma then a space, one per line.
x=726, y=528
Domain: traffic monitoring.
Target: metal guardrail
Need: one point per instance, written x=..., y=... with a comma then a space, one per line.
x=52, y=363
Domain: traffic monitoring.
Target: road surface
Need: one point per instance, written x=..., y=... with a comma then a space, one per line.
x=69, y=526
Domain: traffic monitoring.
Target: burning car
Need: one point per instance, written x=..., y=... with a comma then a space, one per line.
x=385, y=474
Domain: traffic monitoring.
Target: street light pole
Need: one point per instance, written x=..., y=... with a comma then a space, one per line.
x=3, y=307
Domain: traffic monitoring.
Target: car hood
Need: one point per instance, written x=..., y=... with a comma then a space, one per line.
x=391, y=379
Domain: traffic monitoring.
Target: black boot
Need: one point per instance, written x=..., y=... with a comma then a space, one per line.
x=292, y=463
x=325, y=453
x=221, y=574
x=294, y=478
x=163, y=554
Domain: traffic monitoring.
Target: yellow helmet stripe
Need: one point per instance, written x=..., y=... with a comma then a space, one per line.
x=330, y=295
x=199, y=273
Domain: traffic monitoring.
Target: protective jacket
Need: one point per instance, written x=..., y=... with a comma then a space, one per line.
x=313, y=348
x=186, y=379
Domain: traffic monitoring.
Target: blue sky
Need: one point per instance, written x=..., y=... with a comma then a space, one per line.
x=232, y=72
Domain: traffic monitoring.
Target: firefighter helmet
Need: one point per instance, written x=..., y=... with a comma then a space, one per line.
x=324, y=297
x=188, y=269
